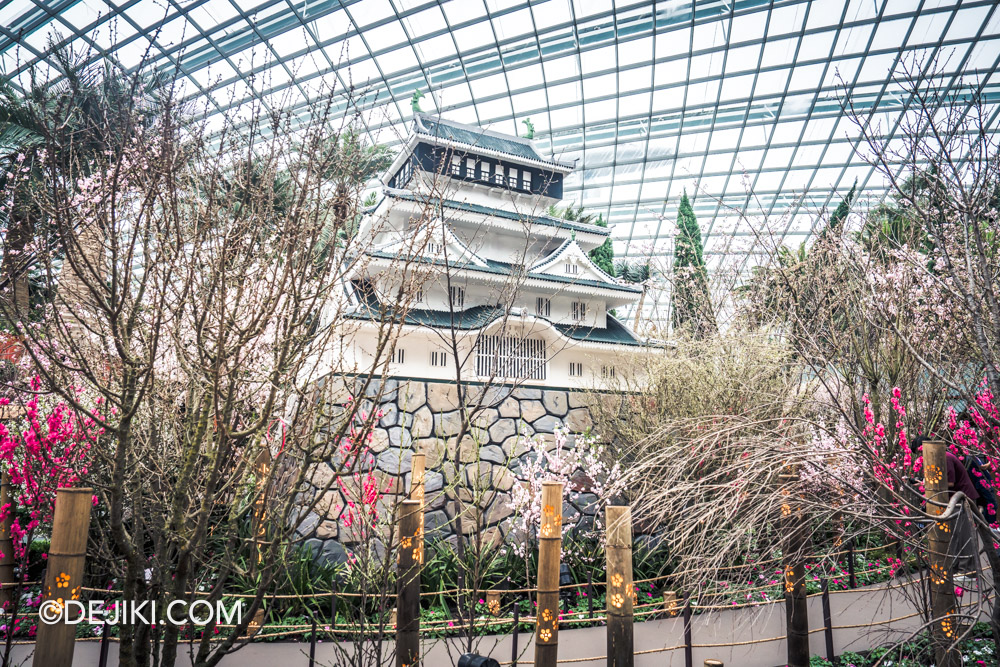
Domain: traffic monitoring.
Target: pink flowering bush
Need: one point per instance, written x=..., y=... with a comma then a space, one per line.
x=884, y=446
x=48, y=448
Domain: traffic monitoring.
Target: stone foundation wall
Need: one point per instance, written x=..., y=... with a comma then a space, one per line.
x=421, y=416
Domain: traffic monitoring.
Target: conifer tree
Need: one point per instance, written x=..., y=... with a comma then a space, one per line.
x=604, y=254
x=692, y=308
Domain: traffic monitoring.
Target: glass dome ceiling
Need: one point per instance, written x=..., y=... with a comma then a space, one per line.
x=718, y=97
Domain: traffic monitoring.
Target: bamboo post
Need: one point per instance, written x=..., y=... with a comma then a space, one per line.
x=333, y=603
x=417, y=473
x=590, y=595
x=312, y=645
x=619, y=587
x=6, y=544
x=102, y=657
x=63, y=577
x=549, y=554
x=670, y=603
x=797, y=614
x=827, y=621
x=262, y=468
x=852, y=577
x=411, y=546
x=688, y=639
x=494, y=602
x=513, y=639
x=944, y=630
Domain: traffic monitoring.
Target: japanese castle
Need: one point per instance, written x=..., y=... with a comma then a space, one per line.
x=462, y=219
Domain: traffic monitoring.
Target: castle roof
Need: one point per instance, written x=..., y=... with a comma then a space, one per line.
x=546, y=220
x=503, y=269
x=477, y=139
x=479, y=317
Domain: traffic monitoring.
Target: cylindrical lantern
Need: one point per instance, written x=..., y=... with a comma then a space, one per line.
x=670, y=604
x=493, y=600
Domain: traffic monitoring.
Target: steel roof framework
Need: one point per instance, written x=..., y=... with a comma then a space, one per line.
x=722, y=98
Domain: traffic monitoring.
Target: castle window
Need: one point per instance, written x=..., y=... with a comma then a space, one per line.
x=526, y=180
x=484, y=170
x=543, y=306
x=399, y=356
x=404, y=173
x=457, y=295
x=439, y=359
x=510, y=357
x=575, y=369
x=572, y=269
x=435, y=248
x=608, y=372
x=456, y=165
x=579, y=310
x=512, y=177
x=470, y=167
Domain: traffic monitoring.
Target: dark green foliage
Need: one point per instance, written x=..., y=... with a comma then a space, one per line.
x=604, y=255
x=86, y=116
x=899, y=222
x=692, y=307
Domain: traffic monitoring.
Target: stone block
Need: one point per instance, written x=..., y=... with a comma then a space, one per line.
x=484, y=418
x=423, y=423
x=447, y=424
x=580, y=399
x=587, y=503
x=412, y=396
x=525, y=392
x=327, y=530
x=435, y=501
x=502, y=429
x=546, y=424
x=510, y=408
x=434, y=449
x=532, y=410
x=442, y=397
x=390, y=415
x=555, y=402
x=308, y=524
x=392, y=483
x=436, y=524
x=493, y=454
x=433, y=481
x=468, y=450
x=514, y=446
x=398, y=437
x=387, y=387
x=479, y=475
x=578, y=420
x=322, y=476
x=570, y=514
x=395, y=460
x=503, y=479
x=499, y=510
x=379, y=441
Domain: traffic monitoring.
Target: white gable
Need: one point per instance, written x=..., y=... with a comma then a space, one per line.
x=571, y=261
x=440, y=243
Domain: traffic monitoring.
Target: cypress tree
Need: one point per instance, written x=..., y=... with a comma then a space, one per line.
x=604, y=254
x=692, y=308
